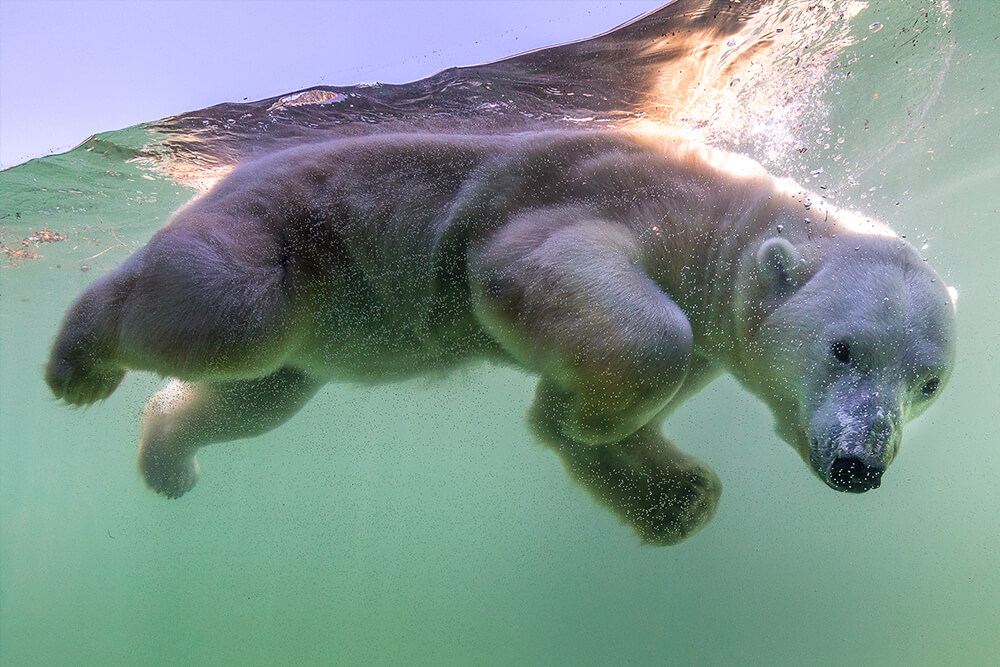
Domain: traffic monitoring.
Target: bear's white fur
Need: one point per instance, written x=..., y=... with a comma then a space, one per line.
x=625, y=270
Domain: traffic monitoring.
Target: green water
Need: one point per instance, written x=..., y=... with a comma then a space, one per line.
x=419, y=524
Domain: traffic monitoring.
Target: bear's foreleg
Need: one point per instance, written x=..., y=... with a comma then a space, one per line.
x=566, y=297
x=665, y=494
x=184, y=416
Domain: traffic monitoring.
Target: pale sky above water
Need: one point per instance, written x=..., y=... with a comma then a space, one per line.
x=72, y=69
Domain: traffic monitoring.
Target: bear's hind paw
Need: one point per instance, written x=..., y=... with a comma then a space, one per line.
x=168, y=476
x=80, y=383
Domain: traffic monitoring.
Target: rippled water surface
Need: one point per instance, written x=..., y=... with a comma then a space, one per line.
x=418, y=523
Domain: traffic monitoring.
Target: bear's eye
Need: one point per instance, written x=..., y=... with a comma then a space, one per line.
x=841, y=351
x=929, y=387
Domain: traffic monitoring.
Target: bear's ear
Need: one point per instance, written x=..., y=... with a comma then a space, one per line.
x=779, y=263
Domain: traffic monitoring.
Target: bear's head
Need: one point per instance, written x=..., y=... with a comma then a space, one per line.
x=849, y=338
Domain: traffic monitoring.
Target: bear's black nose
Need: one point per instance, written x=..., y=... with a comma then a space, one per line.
x=852, y=474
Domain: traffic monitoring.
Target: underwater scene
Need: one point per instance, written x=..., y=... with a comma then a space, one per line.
x=419, y=520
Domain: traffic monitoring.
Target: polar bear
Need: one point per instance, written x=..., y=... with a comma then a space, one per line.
x=625, y=270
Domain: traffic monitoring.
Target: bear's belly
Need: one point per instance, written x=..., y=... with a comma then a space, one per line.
x=354, y=335
x=375, y=355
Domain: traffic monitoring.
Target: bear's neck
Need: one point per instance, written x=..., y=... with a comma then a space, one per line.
x=700, y=243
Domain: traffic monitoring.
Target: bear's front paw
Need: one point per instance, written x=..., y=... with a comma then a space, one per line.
x=674, y=508
x=167, y=473
x=665, y=495
x=78, y=379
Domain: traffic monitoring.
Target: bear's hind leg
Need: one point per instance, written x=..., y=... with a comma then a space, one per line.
x=82, y=368
x=185, y=416
x=194, y=303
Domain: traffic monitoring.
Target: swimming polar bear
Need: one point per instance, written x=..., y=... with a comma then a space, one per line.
x=625, y=270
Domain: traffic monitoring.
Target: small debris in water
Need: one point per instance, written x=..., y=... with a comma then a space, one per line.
x=20, y=250
x=17, y=256
x=46, y=236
